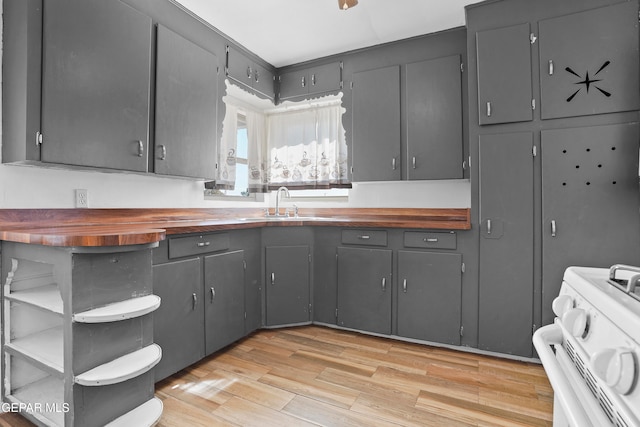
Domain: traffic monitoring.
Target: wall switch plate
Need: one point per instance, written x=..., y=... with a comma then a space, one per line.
x=82, y=200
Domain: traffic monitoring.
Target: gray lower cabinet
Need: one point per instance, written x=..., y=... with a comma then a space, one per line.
x=364, y=289
x=375, y=151
x=186, y=107
x=95, y=84
x=179, y=322
x=224, y=299
x=429, y=296
x=287, y=285
x=506, y=293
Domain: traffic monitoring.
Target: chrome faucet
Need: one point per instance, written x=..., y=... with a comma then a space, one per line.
x=281, y=190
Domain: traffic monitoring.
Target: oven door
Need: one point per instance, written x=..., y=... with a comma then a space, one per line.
x=574, y=405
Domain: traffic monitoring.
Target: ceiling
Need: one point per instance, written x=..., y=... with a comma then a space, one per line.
x=284, y=32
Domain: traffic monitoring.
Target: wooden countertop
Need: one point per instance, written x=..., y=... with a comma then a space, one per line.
x=120, y=227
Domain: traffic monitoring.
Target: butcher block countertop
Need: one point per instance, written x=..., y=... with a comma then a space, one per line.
x=120, y=227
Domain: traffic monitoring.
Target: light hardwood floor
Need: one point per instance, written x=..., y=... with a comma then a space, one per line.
x=314, y=375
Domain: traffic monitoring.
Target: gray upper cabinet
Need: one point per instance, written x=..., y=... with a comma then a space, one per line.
x=312, y=81
x=504, y=75
x=223, y=299
x=429, y=296
x=434, y=119
x=186, y=105
x=589, y=62
x=364, y=289
x=249, y=74
x=506, y=182
x=95, y=84
x=287, y=285
x=376, y=135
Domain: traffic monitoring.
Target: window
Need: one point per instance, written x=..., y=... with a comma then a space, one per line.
x=239, y=157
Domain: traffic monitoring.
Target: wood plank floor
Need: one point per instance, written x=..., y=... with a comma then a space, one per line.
x=314, y=375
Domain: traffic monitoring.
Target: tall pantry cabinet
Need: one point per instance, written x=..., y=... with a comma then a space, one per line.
x=554, y=99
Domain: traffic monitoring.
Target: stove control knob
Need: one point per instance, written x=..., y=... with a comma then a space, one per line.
x=616, y=367
x=575, y=320
x=561, y=304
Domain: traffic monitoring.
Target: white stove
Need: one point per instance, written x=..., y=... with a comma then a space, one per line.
x=592, y=350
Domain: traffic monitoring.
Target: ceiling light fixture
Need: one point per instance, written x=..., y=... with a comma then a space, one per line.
x=346, y=4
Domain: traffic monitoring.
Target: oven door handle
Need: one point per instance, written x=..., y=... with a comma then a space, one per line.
x=543, y=339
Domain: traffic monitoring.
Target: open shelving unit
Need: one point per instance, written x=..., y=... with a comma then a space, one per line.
x=59, y=304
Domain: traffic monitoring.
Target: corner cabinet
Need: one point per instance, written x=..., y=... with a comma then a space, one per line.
x=186, y=108
x=309, y=82
x=78, y=344
x=95, y=84
x=249, y=74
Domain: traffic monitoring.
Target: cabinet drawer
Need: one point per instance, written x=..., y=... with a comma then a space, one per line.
x=422, y=239
x=194, y=245
x=364, y=237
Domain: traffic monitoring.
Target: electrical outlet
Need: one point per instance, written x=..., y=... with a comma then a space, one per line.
x=82, y=200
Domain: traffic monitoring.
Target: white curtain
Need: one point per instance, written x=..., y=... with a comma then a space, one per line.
x=256, y=135
x=228, y=143
x=307, y=148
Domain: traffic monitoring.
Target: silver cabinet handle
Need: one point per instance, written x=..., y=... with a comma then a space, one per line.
x=551, y=67
x=431, y=240
x=256, y=76
x=38, y=139
x=364, y=237
x=488, y=108
x=163, y=152
x=303, y=81
x=393, y=163
x=203, y=244
x=213, y=294
x=140, y=148
x=384, y=284
x=195, y=300
x=313, y=79
x=249, y=72
x=553, y=228
x=273, y=279
x=413, y=161
x=404, y=286
x=488, y=226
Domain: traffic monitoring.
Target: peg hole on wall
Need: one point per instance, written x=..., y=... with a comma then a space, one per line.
x=577, y=166
x=613, y=148
x=588, y=149
x=588, y=183
x=564, y=151
x=614, y=182
x=600, y=165
x=564, y=184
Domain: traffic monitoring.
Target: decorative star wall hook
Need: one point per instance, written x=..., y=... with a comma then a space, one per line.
x=587, y=81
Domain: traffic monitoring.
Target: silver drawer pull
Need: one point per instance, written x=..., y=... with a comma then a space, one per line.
x=404, y=286
x=488, y=226
x=163, y=152
x=273, y=279
x=202, y=244
x=551, y=67
x=553, y=228
x=195, y=300
x=393, y=163
x=413, y=161
x=431, y=239
x=364, y=237
x=488, y=109
x=384, y=284
x=140, y=148
x=213, y=294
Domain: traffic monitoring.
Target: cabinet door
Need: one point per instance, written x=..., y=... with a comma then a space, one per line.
x=224, y=299
x=504, y=75
x=263, y=82
x=96, y=78
x=186, y=105
x=287, y=285
x=434, y=119
x=506, y=243
x=589, y=202
x=429, y=296
x=376, y=125
x=589, y=62
x=325, y=78
x=239, y=67
x=178, y=324
x=364, y=289
x=293, y=84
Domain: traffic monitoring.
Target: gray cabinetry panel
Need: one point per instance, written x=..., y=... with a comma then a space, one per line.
x=430, y=240
x=504, y=75
x=589, y=62
x=434, y=119
x=376, y=125
x=178, y=324
x=364, y=289
x=96, y=84
x=310, y=81
x=195, y=245
x=364, y=237
x=506, y=243
x=186, y=107
x=429, y=296
x=589, y=201
x=247, y=73
x=287, y=285
x=223, y=299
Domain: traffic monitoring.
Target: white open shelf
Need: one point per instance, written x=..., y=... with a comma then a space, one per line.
x=45, y=347
x=47, y=297
x=123, y=368
x=48, y=390
x=145, y=415
x=122, y=310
